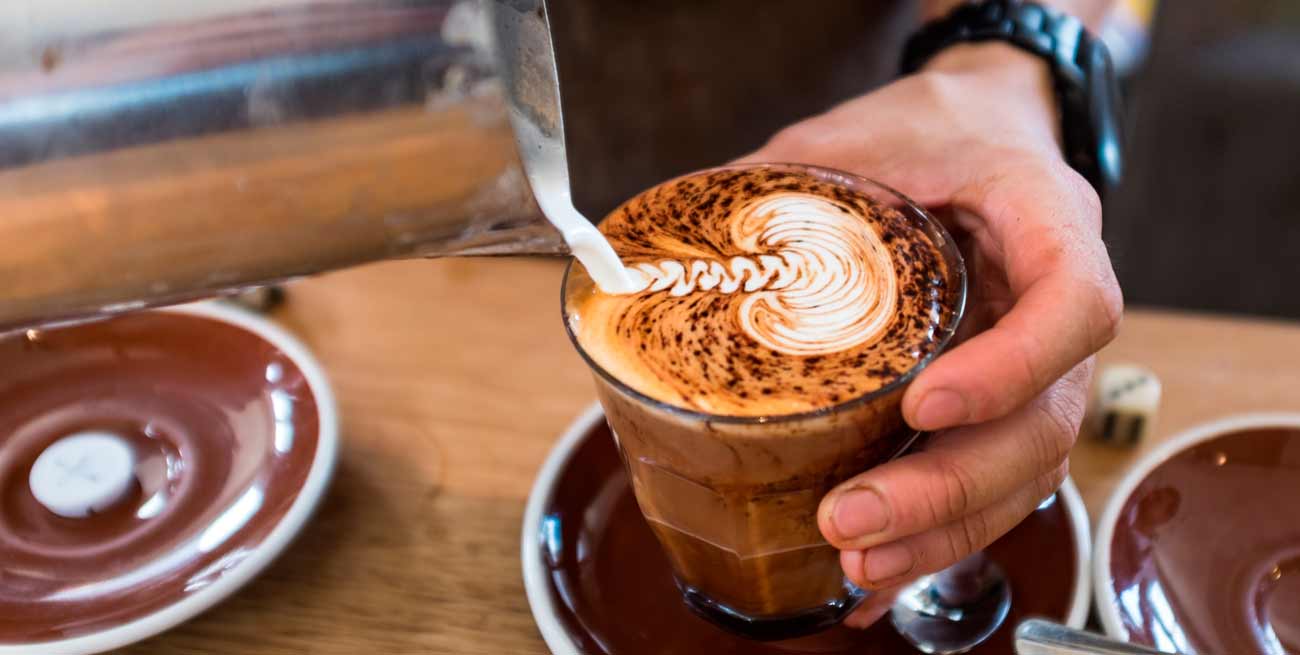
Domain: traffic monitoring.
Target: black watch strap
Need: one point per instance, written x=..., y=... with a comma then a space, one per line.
x=1084, y=76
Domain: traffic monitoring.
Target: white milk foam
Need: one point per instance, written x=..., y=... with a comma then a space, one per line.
x=830, y=286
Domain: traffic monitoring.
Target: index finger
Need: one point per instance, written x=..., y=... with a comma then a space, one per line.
x=1046, y=230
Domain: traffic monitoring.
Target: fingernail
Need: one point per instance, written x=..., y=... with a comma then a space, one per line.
x=851, y=562
x=940, y=408
x=884, y=563
x=860, y=512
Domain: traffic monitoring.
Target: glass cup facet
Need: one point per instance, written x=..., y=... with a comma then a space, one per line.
x=733, y=500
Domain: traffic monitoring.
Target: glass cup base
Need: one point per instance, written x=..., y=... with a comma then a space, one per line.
x=774, y=628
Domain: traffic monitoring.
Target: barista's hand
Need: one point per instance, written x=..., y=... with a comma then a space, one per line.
x=973, y=136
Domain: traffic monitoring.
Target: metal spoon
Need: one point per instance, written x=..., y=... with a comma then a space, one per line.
x=955, y=609
x=958, y=608
x=1039, y=637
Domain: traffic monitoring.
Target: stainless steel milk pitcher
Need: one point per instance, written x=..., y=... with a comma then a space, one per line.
x=153, y=152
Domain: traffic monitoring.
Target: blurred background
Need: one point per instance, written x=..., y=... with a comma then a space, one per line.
x=1209, y=214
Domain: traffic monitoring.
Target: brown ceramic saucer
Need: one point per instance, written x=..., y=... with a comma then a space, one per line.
x=599, y=585
x=227, y=435
x=1199, y=548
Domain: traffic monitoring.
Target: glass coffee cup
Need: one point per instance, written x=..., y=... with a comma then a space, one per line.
x=733, y=499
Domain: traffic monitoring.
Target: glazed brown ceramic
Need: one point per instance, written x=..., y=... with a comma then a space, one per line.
x=225, y=430
x=614, y=591
x=1205, y=554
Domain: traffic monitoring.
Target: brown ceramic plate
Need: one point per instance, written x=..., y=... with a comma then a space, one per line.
x=1199, y=548
x=599, y=585
x=234, y=435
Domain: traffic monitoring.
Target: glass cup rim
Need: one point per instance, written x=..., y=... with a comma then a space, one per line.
x=947, y=247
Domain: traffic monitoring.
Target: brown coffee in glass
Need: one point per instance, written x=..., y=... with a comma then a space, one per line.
x=782, y=312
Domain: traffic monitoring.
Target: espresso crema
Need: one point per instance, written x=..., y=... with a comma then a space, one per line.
x=760, y=292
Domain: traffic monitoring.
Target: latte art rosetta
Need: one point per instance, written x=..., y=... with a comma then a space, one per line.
x=829, y=286
x=762, y=291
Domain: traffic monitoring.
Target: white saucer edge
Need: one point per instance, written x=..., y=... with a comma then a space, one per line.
x=318, y=478
x=1078, y=513
x=535, y=587
x=543, y=608
x=1103, y=592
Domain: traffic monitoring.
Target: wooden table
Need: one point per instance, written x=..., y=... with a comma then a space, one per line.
x=454, y=377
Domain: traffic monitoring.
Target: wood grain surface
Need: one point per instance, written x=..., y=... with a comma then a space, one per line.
x=454, y=378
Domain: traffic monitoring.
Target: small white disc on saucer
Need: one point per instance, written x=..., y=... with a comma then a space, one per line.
x=84, y=473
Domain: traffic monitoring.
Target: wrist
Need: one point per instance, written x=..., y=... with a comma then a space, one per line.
x=1021, y=79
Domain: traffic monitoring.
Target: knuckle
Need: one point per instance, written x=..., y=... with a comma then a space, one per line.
x=1024, y=349
x=1088, y=199
x=1070, y=402
x=1080, y=376
x=1110, y=310
x=968, y=536
x=1057, y=427
x=1031, y=346
x=1048, y=484
x=1077, y=187
x=956, y=492
x=1079, y=380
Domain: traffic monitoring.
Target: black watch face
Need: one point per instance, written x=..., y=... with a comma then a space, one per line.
x=1105, y=114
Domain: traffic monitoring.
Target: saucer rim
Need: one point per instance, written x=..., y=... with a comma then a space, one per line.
x=265, y=552
x=545, y=613
x=1102, y=581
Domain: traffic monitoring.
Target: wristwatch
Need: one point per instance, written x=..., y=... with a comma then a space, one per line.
x=1085, y=82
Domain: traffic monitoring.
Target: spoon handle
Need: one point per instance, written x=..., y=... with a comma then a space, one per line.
x=1039, y=637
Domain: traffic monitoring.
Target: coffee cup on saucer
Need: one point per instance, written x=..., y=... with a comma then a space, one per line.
x=1198, y=550
x=598, y=584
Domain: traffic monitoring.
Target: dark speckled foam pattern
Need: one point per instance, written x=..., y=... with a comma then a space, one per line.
x=692, y=350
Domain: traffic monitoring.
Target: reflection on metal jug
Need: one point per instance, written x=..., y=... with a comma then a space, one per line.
x=153, y=153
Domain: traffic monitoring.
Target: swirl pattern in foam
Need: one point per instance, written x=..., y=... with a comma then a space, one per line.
x=829, y=287
x=762, y=291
